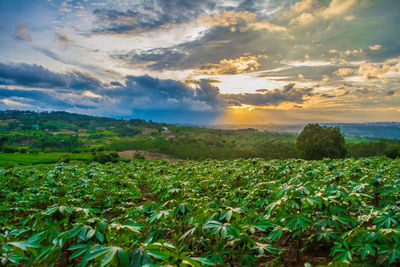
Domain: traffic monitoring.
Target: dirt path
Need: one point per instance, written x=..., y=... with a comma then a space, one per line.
x=146, y=193
x=129, y=154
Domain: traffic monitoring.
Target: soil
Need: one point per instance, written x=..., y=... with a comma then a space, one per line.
x=129, y=154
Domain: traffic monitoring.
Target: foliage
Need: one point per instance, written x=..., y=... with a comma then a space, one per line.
x=54, y=132
x=317, y=142
x=138, y=156
x=393, y=151
x=239, y=212
x=106, y=157
x=3, y=140
x=12, y=159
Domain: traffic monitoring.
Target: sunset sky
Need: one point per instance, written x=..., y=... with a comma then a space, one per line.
x=204, y=62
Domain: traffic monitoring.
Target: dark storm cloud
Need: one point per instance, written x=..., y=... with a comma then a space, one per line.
x=152, y=93
x=115, y=83
x=217, y=44
x=150, y=15
x=275, y=97
x=148, y=93
x=390, y=93
x=36, y=98
x=161, y=58
x=38, y=76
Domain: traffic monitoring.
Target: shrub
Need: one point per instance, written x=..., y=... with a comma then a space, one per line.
x=9, y=150
x=104, y=158
x=393, y=151
x=138, y=156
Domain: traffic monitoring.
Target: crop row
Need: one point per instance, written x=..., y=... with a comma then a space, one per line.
x=246, y=212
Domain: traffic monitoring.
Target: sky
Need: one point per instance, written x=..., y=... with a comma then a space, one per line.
x=205, y=61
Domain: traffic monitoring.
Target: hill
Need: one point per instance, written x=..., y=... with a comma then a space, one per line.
x=27, y=131
x=28, y=137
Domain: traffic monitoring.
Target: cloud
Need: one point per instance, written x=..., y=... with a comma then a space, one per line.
x=34, y=97
x=228, y=18
x=375, y=47
x=145, y=92
x=149, y=15
x=157, y=58
x=393, y=93
x=344, y=71
x=337, y=7
x=304, y=19
x=265, y=25
x=217, y=44
x=373, y=72
x=302, y=5
x=22, y=33
x=239, y=21
x=38, y=76
x=326, y=78
x=266, y=97
x=63, y=38
x=149, y=93
x=91, y=94
x=311, y=10
x=242, y=64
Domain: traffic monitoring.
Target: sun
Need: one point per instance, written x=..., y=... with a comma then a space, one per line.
x=243, y=108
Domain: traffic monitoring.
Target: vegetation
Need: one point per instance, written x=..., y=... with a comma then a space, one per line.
x=8, y=160
x=318, y=142
x=60, y=132
x=188, y=213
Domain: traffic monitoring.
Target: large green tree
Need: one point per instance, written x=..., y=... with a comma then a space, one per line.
x=317, y=142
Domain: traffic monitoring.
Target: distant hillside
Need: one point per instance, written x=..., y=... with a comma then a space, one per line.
x=370, y=130
x=54, y=132
x=61, y=120
x=37, y=135
x=386, y=130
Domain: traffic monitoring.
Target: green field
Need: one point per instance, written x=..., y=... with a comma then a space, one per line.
x=8, y=160
x=187, y=213
x=55, y=132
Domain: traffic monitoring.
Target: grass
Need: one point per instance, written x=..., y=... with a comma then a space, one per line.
x=8, y=160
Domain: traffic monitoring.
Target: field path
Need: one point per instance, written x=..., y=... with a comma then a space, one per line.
x=129, y=154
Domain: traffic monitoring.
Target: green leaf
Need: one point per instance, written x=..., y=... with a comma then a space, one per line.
x=157, y=254
x=97, y=252
x=102, y=225
x=79, y=252
x=123, y=258
x=24, y=245
x=108, y=257
x=100, y=236
x=78, y=246
x=204, y=260
x=90, y=234
x=224, y=232
x=74, y=232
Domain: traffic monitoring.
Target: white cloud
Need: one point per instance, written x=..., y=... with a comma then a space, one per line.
x=375, y=47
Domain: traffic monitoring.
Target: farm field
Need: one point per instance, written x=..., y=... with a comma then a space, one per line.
x=12, y=159
x=188, y=213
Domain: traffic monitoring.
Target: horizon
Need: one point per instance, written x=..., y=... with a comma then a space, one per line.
x=237, y=62
x=215, y=126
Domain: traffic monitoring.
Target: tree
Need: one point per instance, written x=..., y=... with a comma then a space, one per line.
x=317, y=142
x=3, y=140
x=393, y=151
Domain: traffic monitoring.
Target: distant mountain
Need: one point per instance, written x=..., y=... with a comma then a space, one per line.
x=373, y=130
x=387, y=130
x=70, y=121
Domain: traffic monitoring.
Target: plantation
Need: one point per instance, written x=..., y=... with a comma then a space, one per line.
x=239, y=212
